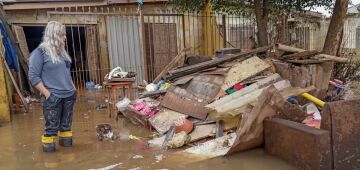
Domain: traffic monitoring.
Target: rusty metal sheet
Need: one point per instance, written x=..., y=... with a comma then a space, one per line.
x=342, y=119
x=300, y=145
x=185, y=106
x=205, y=87
x=183, y=80
x=182, y=93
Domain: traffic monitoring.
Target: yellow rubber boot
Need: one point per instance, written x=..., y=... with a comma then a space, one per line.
x=48, y=143
x=65, y=139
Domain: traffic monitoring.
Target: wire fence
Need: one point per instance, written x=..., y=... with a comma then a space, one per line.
x=145, y=44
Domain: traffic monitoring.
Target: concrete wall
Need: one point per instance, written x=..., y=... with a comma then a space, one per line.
x=350, y=25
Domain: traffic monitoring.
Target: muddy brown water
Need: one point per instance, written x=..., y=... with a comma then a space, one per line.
x=21, y=147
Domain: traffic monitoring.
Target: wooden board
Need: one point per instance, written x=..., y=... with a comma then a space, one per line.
x=238, y=105
x=21, y=40
x=160, y=46
x=260, y=84
x=171, y=65
x=300, y=55
x=92, y=53
x=241, y=71
x=213, y=63
x=15, y=85
x=202, y=132
x=250, y=130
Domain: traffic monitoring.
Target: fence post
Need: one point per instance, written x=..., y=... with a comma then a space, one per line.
x=224, y=30
x=142, y=43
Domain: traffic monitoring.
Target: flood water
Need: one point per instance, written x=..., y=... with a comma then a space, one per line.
x=21, y=146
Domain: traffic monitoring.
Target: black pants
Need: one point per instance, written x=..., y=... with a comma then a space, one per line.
x=58, y=113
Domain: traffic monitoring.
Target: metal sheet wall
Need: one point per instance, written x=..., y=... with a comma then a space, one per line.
x=124, y=44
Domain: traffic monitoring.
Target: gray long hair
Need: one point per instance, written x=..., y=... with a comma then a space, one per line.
x=52, y=43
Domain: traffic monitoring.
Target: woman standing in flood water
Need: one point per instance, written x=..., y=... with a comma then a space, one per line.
x=49, y=72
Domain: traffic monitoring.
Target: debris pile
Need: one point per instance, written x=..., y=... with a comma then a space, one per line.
x=217, y=106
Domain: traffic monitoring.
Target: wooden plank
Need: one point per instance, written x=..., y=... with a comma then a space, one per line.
x=212, y=63
x=92, y=53
x=296, y=91
x=332, y=58
x=250, y=130
x=319, y=56
x=300, y=55
x=202, y=132
x=143, y=37
x=160, y=46
x=21, y=40
x=287, y=48
x=16, y=86
x=258, y=85
x=307, y=61
x=171, y=65
x=239, y=105
x=241, y=71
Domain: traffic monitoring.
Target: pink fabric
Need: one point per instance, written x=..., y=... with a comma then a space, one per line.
x=145, y=109
x=139, y=106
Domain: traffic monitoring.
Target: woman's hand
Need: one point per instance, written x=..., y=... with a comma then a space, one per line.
x=43, y=90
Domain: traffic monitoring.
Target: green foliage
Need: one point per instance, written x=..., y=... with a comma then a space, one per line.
x=241, y=6
x=189, y=5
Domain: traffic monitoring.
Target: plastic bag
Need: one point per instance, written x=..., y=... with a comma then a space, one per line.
x=90, y=85
x=151, y=87
x=122, y=105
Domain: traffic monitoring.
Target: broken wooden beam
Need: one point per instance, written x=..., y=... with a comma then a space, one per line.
x=325, y=57
x=331, y=58
x=299, y=55
x=307, y=61
x=221, y=52
x=287, y=48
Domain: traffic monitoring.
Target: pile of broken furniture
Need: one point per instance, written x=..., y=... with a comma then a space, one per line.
x=238, y=101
